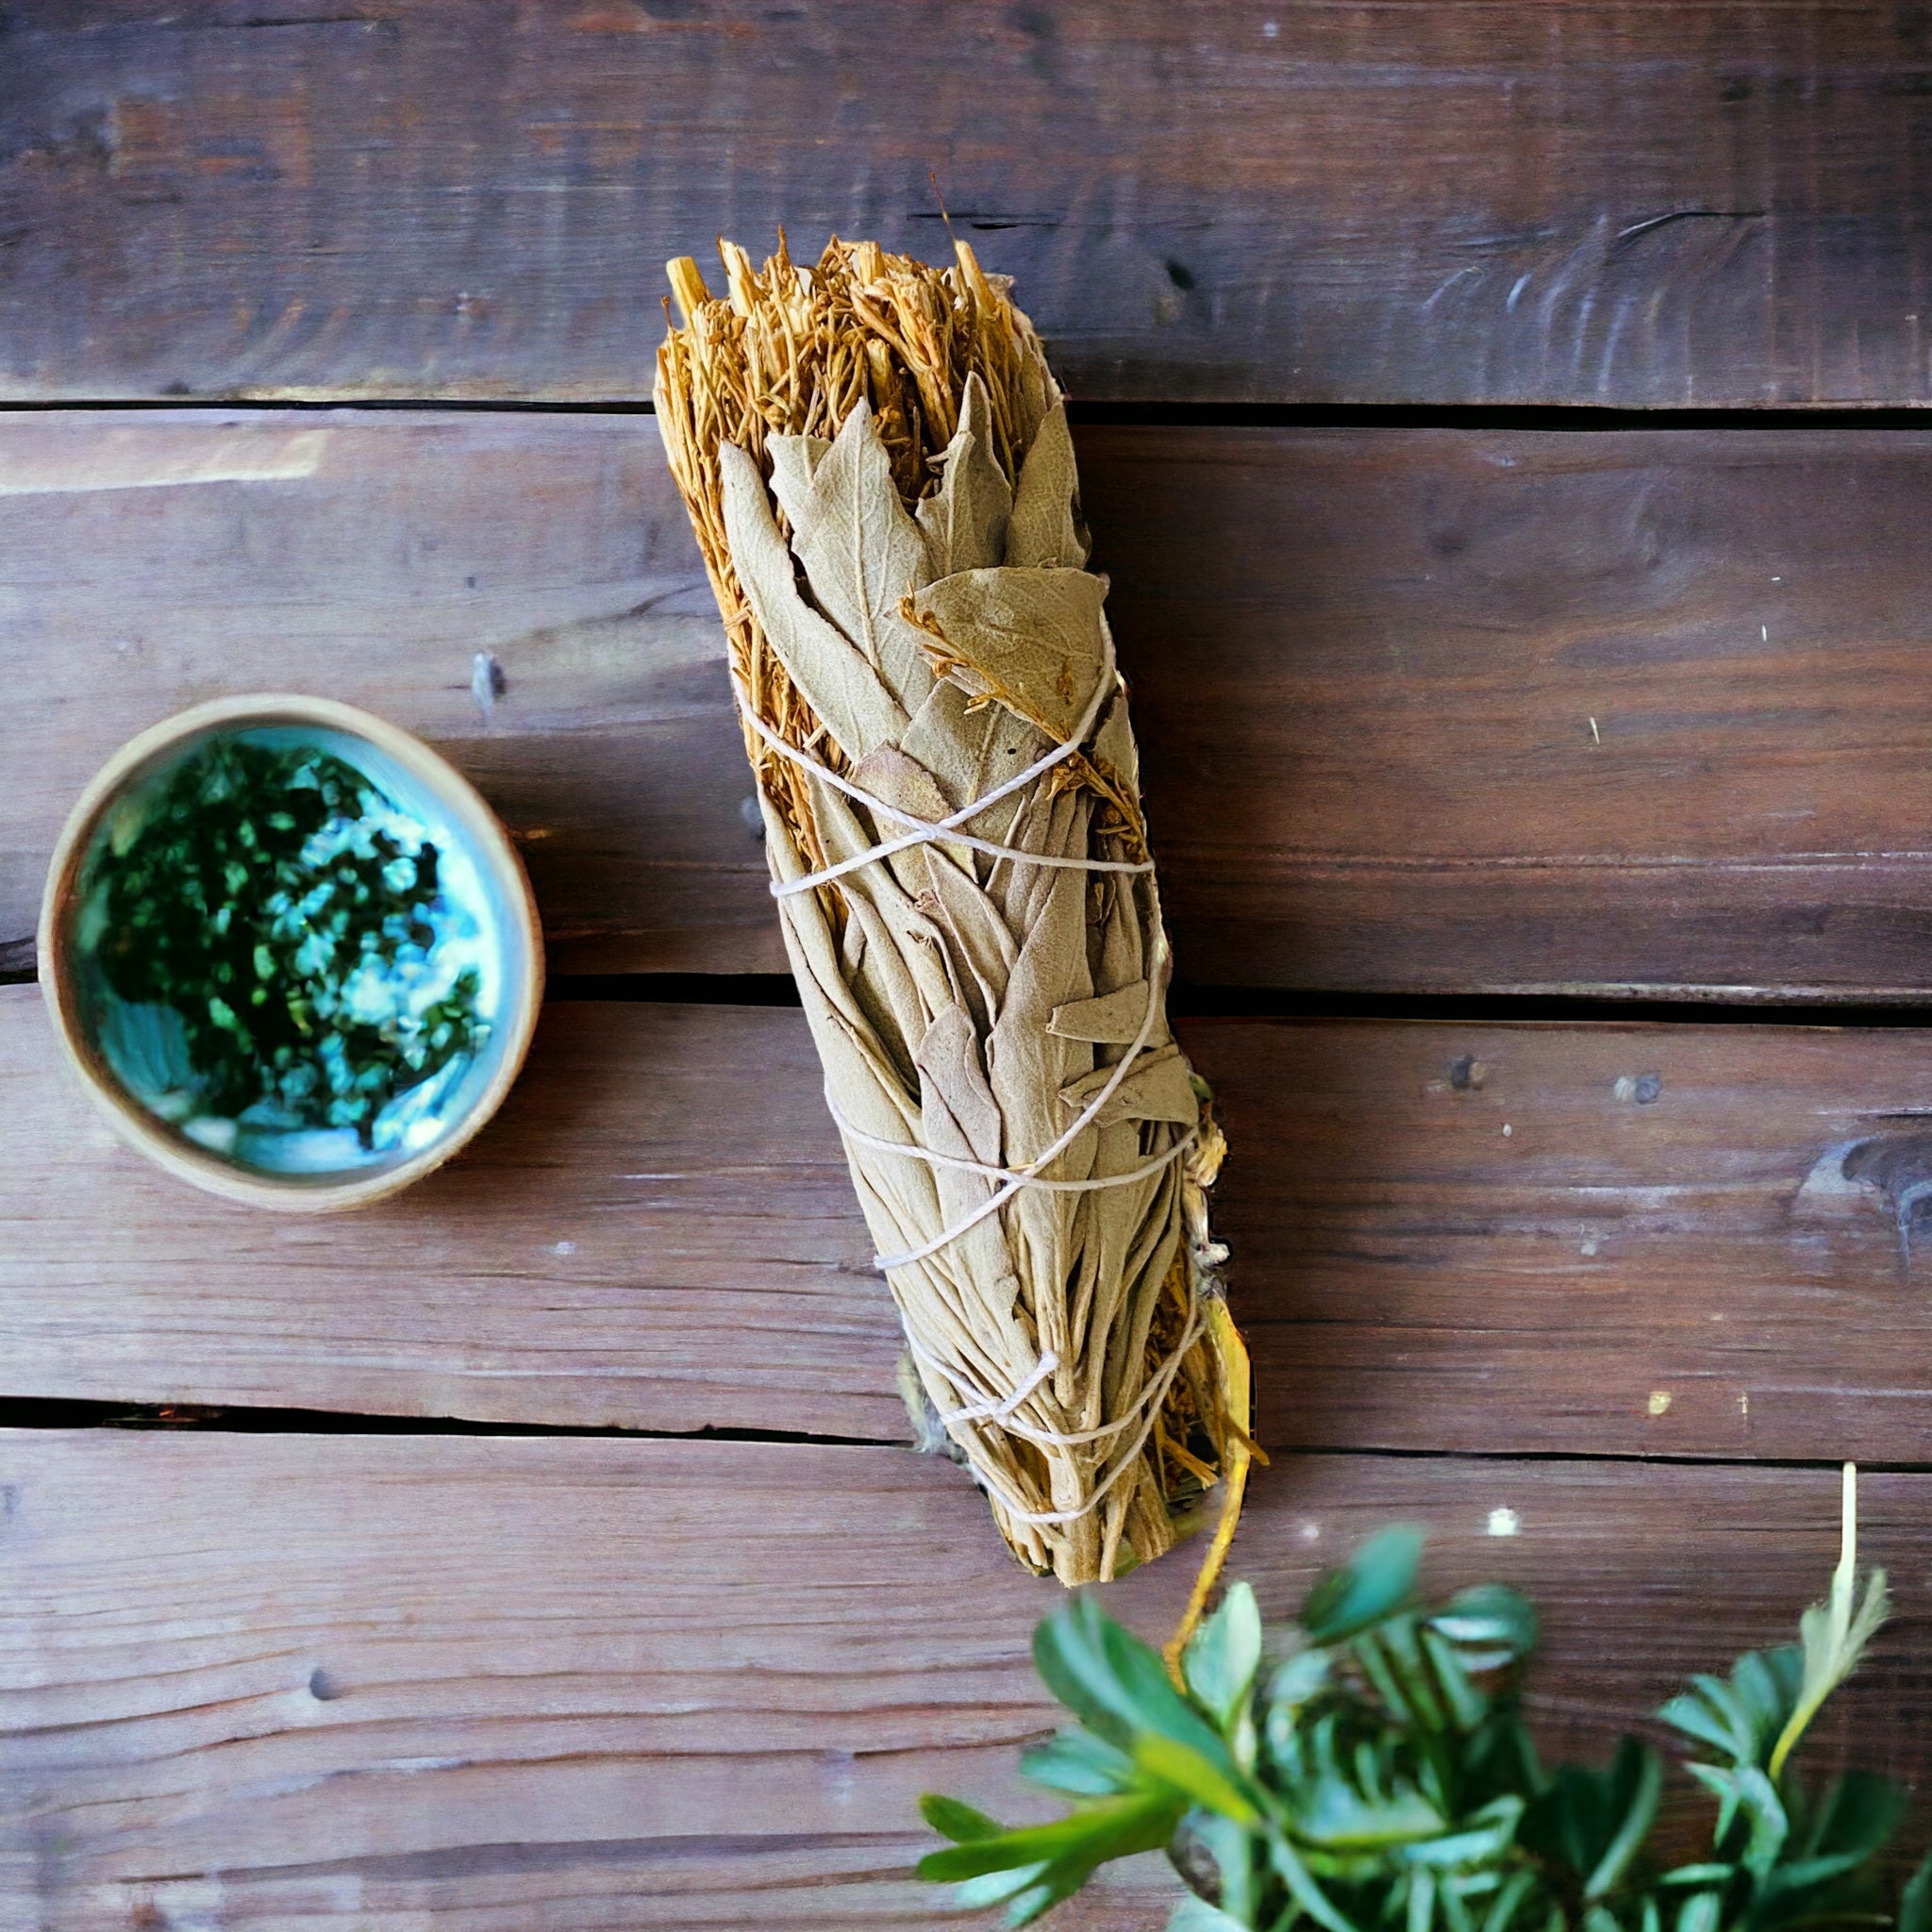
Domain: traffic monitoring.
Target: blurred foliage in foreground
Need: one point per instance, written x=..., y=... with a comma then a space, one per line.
x=1375, y=1775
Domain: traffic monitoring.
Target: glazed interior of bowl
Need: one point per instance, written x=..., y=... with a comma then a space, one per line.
x=291, y=951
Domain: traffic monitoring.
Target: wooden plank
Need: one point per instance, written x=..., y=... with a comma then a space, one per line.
x=1638, y=1240
x=593, y=1684
x=149, y=563
x=1420, y=711
x=1690, y=1240
x=1450, y=710
x=658, y=1232
x=1445, y=203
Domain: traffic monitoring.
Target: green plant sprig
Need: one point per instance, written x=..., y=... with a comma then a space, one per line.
x=1379, y=1777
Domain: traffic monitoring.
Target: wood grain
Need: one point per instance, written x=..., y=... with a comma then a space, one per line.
x=1633, y=1240
x=565, y=1686
x=151, y=562
x=657, y=1232
x=1593, y=202
x=1690, y=1240
x=1607, y=712
x=1423, y=710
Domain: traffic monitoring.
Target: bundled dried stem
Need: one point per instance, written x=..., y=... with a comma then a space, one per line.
x=936, y=630
x=794, y=352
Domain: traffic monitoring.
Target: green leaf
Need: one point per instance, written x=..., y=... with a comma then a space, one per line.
x=1196, y=1915
x=1302, y=1678
x=1190, y=1774
x=1640, y=1815
x=1764, y=1684
x=1389, y=1683
x=1421, y=1911
x=1915, y=1902
x=1036, y=1900
x=1854, y=1818
x=1032, y=1844
x=1116, y=1686
x=1079, y=1764
x=1398, y=1639
x=1112, y=1828
x=1491, y=1627
x=957, y=1821
x=1222, y=1655
x=1144, y=1826
x=1501, y=1757
x=995, y=1887
x=1700, y=1912
x=1802, y=1876
x=1376, y=1583
x=1594, y=1821
x=1486, y=1836
x=1824, y=1870
x=1745, y=1790
x=1706, y=1874
x=1742, y=1718
x=1333, y=1814
x=1234, y=1849
x=1456, y=1913
x=1710, y=1716
x=1509, y=1899
x=1303, y=1889
x=1834, y=1634
x=1466, y=1706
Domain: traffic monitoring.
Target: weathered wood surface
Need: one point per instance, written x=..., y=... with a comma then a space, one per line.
x=1589, y=202
x=1422, y=711
x=658, y=1232
x=1666, y=1240
x=1690, y=1240
x=1436, y=710
x=149, y=563
x=252, y=1681
x=1509, y=712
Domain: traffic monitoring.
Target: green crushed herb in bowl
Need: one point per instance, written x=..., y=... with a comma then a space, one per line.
x=291, y=950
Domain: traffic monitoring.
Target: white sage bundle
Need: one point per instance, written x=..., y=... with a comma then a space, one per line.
x=878, y=466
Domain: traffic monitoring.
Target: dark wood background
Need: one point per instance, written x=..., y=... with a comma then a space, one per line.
x=1531, y=644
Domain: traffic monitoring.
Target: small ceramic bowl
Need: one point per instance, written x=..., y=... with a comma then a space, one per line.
x=468, y=946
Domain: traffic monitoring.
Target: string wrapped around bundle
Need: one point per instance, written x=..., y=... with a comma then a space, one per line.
x=876, y=461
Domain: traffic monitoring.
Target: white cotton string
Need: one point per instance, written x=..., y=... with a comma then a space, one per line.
x=916, y=1152
x=929, y=831
x=945, y=830
x=992, y=1408
x=1019, y=1513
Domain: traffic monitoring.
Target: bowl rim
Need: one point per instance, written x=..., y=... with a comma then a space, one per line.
x=154, y=1138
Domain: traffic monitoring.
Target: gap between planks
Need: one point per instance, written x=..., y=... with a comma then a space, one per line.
x=30, y=1413
x=1188, y=1001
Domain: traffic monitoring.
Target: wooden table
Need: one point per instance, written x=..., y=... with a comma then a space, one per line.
x=1491, y=418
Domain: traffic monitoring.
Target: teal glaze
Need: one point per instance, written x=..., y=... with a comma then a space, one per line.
x=470, y=931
